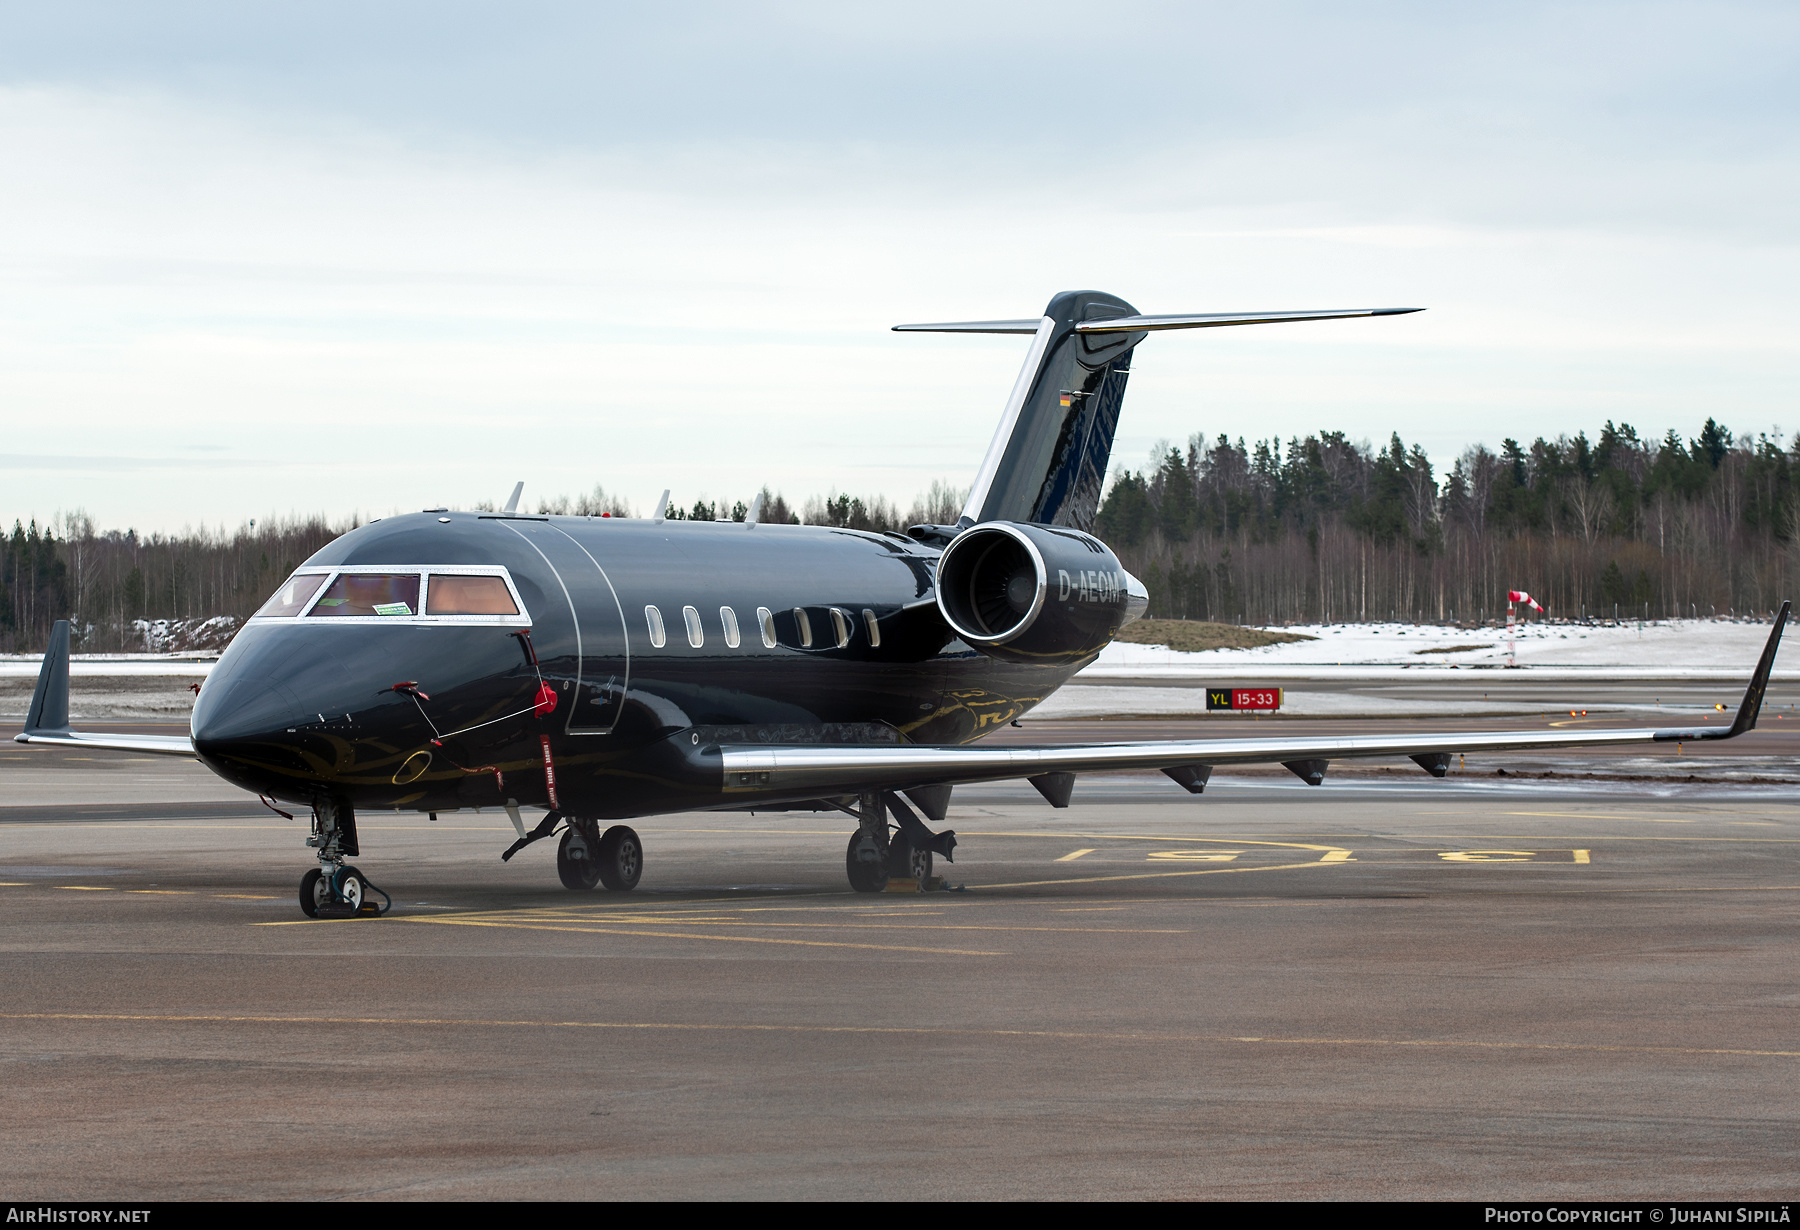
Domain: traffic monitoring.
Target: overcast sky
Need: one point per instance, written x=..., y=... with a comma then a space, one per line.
x=273, y=259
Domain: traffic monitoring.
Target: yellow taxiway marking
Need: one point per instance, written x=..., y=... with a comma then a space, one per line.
x=84, y=888
x=14, y=884
x=688, y=935
x=1594, y=815
x=1581, y=856
x=1154, y=875
x=1195, y=856
x=907, y=1030
x=720, y=922
x=248, y=896
x=1072, y=856
x=162, y=892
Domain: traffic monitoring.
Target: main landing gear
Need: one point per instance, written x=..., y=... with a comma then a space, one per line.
x=586, y=857
x=334, y=889
x=876, y=855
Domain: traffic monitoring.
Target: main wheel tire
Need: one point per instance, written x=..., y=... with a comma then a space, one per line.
x=864, y=877
x=621, y=858
x=908, y=862
x=309, y=893
x=579, y=874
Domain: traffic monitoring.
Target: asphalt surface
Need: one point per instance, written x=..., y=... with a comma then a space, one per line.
x=1383, y=987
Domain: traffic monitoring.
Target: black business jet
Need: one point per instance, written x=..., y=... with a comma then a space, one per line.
x=606, y=668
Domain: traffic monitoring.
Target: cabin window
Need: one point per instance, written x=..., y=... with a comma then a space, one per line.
x=873, y=627
x=840, y=624
x=766, y=618
x=728, y=620
x=803, y=626
x=696, y=634
x=653, y=617
x=292, y=598
x=457, y=595
x=369, y=594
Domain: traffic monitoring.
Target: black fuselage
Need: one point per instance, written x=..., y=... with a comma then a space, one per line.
x=304, y=708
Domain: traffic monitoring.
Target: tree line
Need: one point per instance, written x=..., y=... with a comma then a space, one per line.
x=1330, y=529
x=1320, y=529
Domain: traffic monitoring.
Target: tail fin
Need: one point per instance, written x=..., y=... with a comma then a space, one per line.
x=1048, y=461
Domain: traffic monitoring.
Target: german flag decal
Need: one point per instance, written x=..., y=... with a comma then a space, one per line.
x=1068, y=399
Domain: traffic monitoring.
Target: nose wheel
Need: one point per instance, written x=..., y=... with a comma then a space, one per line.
x=341, y=892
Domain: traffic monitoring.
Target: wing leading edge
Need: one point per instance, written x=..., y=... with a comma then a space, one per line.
x=763, y=769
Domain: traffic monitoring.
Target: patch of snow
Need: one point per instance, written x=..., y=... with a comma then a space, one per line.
x=1672, y=649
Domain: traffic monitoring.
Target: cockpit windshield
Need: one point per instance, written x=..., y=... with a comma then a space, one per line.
x=369, y=593
x=292, y=598
x=467, y=595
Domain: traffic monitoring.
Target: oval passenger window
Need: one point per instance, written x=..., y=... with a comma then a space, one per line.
x=728, y=620
x=766, y=618
x=804, y=625
x=873, y=627
x=653, y=617
x=841, y=626
x=696, y=635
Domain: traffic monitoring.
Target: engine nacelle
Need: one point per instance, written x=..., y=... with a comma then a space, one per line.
x=1035, y=593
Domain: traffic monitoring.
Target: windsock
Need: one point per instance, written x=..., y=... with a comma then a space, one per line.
x=1519, y=595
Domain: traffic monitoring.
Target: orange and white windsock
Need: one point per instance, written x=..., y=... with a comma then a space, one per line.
x=1519, y=595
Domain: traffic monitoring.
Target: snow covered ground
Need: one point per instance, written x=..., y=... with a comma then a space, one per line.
x=1677, y=649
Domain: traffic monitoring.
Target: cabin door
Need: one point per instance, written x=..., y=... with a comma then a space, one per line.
x=600, y=667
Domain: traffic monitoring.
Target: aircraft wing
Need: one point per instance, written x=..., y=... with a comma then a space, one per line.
x=47, y=721
x=758, y=769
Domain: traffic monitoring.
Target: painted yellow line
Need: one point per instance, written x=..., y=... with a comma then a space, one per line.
x=533, y=920
x=1154, y=875
x=685, y=935
x=1581, y=856
x=14, y=884
x=162, y=892
x=1069, y=858
x=248, y=896
x=84, y=888
x=904, y=1030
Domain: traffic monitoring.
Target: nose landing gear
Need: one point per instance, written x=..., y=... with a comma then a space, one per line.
x=334, y=889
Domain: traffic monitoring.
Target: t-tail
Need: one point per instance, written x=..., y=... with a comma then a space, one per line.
x=1048, y=461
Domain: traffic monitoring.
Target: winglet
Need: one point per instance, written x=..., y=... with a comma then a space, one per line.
x=1759, y=682
x=49, y=712
x=512, y=505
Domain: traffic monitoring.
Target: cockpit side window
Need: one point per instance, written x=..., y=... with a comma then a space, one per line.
x=292, y=598
x=459, y=595
x=369, y=594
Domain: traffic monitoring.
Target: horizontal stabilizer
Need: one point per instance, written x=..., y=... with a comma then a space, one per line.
x=1213, y=320
x=975, y=326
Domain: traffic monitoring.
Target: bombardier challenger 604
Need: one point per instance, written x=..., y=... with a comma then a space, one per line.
x=608, y=668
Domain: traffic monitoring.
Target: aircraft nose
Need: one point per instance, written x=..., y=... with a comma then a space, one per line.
x=233, y=711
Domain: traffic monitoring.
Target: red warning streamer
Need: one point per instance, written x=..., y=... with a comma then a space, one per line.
x=549, y=773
